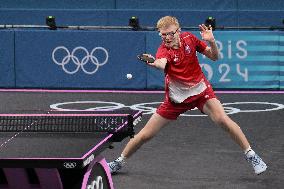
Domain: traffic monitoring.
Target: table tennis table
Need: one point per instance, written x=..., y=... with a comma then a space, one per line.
x=59, y=150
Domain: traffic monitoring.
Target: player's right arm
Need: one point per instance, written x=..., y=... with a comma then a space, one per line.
x=159, y=63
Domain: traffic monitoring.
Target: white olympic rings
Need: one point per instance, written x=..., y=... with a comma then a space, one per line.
x=69, y=165
x=150, y=107
x=79, y=63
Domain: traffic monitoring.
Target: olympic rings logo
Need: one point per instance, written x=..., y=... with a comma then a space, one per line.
x=69, y=165
x=78, y=62
x=150, y=107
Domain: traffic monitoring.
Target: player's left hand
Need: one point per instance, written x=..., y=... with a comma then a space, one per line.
x=206, y=33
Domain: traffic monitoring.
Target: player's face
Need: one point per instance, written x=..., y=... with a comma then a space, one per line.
x=170, y=36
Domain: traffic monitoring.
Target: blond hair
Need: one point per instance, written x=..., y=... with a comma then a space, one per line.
x=167, y=21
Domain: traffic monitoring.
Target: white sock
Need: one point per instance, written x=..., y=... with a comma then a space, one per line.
x=121, y=159
x=249, y=152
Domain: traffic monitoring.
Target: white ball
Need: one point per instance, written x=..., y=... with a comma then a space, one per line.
x=129, y=76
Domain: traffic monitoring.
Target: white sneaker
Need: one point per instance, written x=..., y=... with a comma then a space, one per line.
x=115, y=165
x=258, y=165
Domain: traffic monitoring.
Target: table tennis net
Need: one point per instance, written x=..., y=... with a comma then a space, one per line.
x=65, y=123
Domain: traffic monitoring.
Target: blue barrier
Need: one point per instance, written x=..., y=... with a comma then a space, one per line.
x=247, y=60
x=155, y=77
x=7, y=74
x=70, y=59
x=101, y=59
x=281, y=61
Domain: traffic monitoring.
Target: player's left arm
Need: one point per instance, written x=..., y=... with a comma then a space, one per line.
x=210, y=51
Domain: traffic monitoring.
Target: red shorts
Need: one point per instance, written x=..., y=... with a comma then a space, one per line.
x=171, y=110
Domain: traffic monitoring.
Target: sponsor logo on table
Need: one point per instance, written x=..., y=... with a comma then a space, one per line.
x=89, y=160
x=137, y=120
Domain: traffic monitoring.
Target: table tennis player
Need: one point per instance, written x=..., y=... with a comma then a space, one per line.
x=185, y=88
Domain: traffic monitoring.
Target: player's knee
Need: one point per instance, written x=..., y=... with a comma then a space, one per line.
x=220, y=119
x=145, y=137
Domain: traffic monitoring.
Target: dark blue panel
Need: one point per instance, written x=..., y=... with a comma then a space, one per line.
x=76, y=54
x=58, y=4
x=63, y=17
x=186, y=18
x=260, y=5
x=261, y=18
x=7, y=72
x=177, y=4
x=114, y=17
x=146, y=4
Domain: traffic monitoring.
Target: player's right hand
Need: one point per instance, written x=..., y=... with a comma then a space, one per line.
x=148, y=58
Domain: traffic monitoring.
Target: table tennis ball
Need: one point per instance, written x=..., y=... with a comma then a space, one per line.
x=129, y=76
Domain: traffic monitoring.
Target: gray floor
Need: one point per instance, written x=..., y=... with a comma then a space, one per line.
x=191, y=153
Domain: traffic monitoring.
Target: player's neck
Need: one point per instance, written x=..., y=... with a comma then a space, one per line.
x=177, y=45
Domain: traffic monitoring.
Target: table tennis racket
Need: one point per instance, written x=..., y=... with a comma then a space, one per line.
x=145, y=58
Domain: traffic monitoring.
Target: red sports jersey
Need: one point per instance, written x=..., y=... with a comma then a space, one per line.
x=182, y=63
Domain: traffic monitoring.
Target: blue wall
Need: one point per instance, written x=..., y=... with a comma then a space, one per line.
x=58, y=4
x=117, y=12
x=101, y=59
x=146, y=17
x=146, y=4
